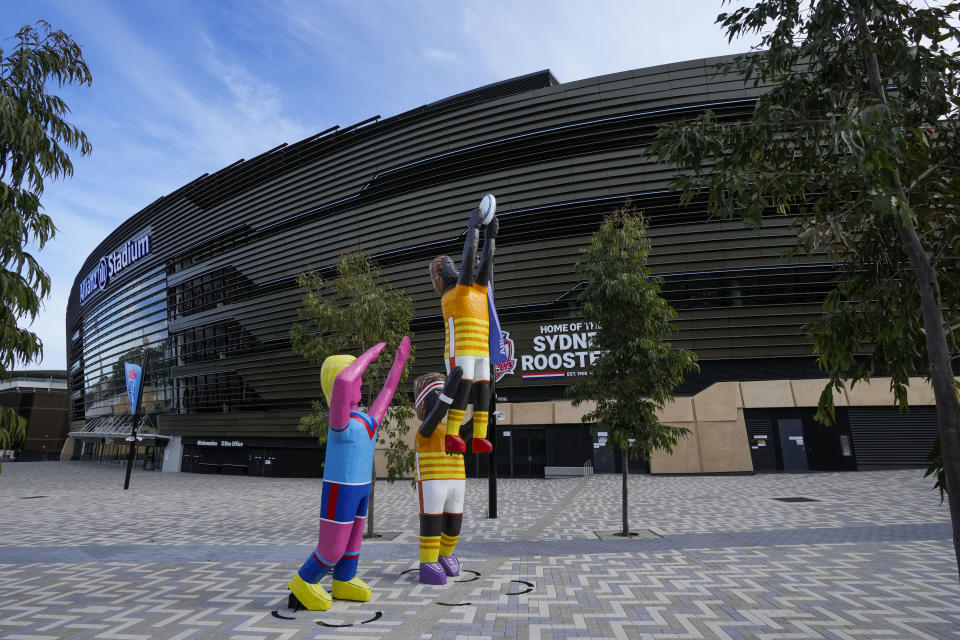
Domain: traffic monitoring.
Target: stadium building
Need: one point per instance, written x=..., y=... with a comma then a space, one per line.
x=40, y=397
x=204, y=281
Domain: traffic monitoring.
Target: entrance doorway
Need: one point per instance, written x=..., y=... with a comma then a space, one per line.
x=791, y=445
x=521, y=452
x=789, y=439
x=527, y=452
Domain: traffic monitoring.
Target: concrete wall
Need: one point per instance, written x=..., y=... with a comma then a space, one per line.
x=717, y=442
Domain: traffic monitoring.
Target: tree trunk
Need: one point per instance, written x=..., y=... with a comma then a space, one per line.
x=938, y=353
x=626, y=469
x=941, y=374
x=373, y=485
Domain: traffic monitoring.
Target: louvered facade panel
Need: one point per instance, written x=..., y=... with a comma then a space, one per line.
x=215, y=296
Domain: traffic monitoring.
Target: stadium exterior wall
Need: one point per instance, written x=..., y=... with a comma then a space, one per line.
x=205, y=279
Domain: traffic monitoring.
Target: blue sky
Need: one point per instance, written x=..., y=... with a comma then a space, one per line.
x=182, y=88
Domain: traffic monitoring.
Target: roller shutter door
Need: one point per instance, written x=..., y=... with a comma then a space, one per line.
x=885, y=437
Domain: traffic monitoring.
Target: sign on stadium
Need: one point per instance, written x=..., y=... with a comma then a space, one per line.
x=113, y=263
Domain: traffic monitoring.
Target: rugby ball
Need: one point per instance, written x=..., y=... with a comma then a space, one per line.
x=488, y=208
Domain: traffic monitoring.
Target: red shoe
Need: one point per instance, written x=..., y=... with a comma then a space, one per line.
x=482, y=445
x=454, y=444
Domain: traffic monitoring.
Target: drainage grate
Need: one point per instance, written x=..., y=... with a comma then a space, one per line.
x=32, y=497
x=796, y=499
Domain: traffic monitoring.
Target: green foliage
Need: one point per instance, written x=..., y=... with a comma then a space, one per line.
x=639, y=369
x=34, y=139
x=349, y=315
x=856, y=138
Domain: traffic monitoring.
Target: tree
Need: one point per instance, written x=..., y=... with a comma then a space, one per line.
x=856, y=137
x=639, y=369
x=351, y=315
x=34, y=138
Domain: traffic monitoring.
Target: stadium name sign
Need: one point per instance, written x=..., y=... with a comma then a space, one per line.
x=113, y=263
x=561, y=351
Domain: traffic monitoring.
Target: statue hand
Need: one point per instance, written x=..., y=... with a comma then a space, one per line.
x=490, y=231
x=474, y=221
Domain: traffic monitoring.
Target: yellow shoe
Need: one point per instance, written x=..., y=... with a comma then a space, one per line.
x=353, y=589
x=313, y=597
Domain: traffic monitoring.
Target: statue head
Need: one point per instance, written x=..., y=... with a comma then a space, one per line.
x=426, y=390
x=443, y=273
x=329, y=371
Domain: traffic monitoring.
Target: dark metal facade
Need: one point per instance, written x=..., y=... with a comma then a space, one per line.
x=215, y=296
x=40, y=397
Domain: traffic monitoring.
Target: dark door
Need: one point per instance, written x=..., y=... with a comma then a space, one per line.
x=604, y=458
x=269, y=463
x=192, y=459
x=763, y=445
x=255, y=457
x=791, y=444
x=522, y=454
x=829, y=448
x=529, y=452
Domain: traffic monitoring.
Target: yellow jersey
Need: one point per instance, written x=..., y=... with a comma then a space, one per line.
x=433, y=462
x=466, y=320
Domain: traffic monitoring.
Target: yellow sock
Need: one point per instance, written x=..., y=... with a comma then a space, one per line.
x=454, y=420
x=429, y=548
x=447, y=544
x=480, y=419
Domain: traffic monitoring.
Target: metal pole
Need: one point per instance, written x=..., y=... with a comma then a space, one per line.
x=133, y=430
x=492, y=470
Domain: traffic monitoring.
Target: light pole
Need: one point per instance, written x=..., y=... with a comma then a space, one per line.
x=492, y=470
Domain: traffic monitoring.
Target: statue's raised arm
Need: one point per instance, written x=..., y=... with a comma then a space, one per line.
x=466, y=320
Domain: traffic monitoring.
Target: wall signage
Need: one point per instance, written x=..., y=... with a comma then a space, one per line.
x=113, y=263
x=221, y=443
x=561, y=351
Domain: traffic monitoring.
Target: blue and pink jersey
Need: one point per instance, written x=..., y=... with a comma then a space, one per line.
x=350, y=448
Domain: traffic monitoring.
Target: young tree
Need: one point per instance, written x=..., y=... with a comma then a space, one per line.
x=639, y=369
x=349, y=315
x=857, y=138
x=34, y=138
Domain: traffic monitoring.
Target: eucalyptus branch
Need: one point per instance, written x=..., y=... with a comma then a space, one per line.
x=923, y=176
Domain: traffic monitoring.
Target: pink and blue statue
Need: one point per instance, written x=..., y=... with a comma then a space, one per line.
x=351, y=441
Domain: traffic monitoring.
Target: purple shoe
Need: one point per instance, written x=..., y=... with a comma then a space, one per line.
x=432, y=573
x=450, y=564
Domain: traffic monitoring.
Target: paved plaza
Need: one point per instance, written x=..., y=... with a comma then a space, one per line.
x=184, y=556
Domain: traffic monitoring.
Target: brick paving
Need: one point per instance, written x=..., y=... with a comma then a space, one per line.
x=192, y=556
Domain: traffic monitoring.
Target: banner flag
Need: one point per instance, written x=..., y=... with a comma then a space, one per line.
x=134, y=383
x=499, y=351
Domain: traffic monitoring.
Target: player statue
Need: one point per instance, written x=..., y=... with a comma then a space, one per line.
x=440, y=478
x=351, y=440
x=466, y=319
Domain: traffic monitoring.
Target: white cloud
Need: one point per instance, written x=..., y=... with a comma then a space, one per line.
x=439, y=56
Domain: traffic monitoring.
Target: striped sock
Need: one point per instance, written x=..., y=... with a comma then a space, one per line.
x=454, y=420
x=313, y=569
x=429, y=548
x=447, y=544
x=480, y=419
x=346, y=569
